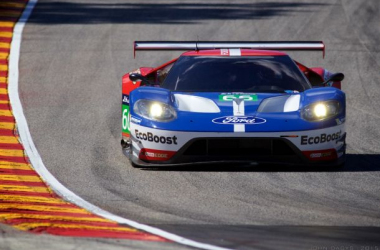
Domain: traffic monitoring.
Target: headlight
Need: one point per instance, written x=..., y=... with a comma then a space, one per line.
x=156, y=111
x=321, y=110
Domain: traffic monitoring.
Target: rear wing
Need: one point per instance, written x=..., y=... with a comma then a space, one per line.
x=201, y=45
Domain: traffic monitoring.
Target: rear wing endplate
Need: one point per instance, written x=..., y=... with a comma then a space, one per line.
x=201, y=45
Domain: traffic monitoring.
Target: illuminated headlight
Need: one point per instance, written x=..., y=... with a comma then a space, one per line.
x=156, y=111
x=321, y=110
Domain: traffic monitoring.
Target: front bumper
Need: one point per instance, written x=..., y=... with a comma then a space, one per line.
x=154, y=147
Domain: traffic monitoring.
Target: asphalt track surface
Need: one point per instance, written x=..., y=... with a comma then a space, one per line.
x=73, y=56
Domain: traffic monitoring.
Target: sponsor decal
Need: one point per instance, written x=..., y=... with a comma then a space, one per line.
x=148, y=136
x=135, y=120
x=231, y=97
x=321, y=155
x=125, y=99
x=309, y=140
x=248, y=120
x=155, y=155
x=224, y=52
x=125, y=119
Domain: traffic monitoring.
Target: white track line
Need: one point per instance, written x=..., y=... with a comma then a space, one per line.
x=35, y=157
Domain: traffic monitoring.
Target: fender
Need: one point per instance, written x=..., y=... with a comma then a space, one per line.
x=317, y=76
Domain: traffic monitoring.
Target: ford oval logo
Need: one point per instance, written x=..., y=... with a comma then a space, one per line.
x=249, y=120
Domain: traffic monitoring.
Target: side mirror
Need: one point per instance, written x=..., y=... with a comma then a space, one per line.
x=138, y=77
x=334, y=78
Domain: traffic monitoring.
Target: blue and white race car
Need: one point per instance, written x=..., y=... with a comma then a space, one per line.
x=233, y=102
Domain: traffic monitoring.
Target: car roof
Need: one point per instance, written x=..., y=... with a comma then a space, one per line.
x=228, y=52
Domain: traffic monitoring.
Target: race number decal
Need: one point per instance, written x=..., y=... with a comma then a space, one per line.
x=125, y=119
x=229, y=98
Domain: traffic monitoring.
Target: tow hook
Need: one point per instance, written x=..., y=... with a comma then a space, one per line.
x=126, y=148
x=125, y=144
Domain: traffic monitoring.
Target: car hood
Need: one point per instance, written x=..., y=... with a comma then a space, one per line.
x=238, y=104
x=230, y=112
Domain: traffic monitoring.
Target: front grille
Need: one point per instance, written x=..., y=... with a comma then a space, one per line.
x=248, y=147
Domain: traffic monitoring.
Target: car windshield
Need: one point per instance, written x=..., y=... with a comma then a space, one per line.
x=235, y=74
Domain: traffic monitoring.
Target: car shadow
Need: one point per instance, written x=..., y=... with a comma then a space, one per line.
x=354, y=163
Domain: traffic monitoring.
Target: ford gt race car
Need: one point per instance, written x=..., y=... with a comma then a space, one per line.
x=234, y=102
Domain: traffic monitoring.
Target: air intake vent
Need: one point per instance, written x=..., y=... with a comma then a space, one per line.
x=228, y=147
